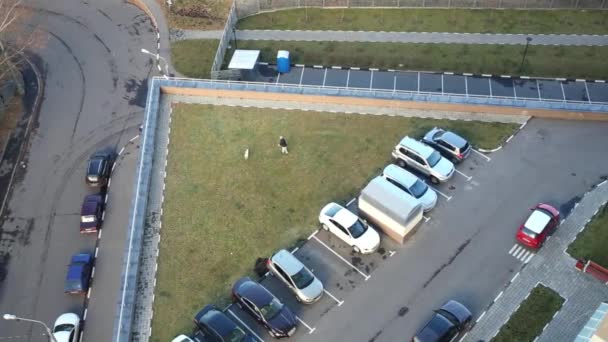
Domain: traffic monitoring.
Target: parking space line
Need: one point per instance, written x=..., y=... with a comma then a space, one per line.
x=340, y=302
x=324, y=76
x=245, y=325
x=481, y=154
x=426, y=218
x=342, y=258
x=463, y=337
x=350, y=202
x=391, y=253
x=278, y=78
x=462, y=174
x=310, y=330
x=312, y=235
x=448, y=198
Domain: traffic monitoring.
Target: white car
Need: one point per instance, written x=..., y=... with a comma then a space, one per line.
x=413, y=186
x=349, y=228
x=67, y=328
x=292, y=272
x=424, y=159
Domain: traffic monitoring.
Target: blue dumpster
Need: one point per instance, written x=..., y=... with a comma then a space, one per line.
x=283, y=63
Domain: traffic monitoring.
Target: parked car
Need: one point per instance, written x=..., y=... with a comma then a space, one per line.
x=299, y=279
x=91, y=213
x=542, y=222
x=449, y=144
x=198, y=336
x=424, y=159
x=67, y=328
x=99, y=168
x=412, y=185
x=349, y=228
x=78, y=278
x=448, y=323
x=262, y=305
x=217, y=327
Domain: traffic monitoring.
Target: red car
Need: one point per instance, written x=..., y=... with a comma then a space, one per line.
x=91, y=214
x=542, y=222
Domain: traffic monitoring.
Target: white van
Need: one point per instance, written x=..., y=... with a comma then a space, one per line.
x=389, y=208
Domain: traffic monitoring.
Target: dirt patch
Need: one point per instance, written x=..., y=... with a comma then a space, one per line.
x=9, y=120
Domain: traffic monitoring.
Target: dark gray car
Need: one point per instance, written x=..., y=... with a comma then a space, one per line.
x=449, y=144
x=448, y=323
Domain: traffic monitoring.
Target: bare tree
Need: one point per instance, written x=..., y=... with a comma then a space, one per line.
x=11, y=45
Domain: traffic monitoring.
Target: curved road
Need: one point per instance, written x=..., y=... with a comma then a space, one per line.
x=94, y=91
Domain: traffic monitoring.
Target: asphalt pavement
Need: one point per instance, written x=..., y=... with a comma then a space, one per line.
x=95, y=87
x=465, y=250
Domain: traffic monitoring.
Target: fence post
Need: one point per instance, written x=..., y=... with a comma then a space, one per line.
x=576, y=5
x=603, y=4
x=499, y=3
x=259, y=6
x=552, y=1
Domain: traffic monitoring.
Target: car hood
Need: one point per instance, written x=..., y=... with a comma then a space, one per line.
x=369, y=239
x=457, y=309
x=283, y=321
x=444, y=167
x=454, y=139
x=429, y=199
x=314, y=290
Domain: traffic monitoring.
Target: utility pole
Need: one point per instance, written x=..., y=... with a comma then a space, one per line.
x=523, y=58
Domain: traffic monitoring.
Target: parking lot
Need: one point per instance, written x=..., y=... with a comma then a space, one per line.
x=438, y=83
x=341, y=270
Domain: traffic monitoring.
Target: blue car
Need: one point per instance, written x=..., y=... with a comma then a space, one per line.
x=257, y=301
x=78, y=278
x=217, y=327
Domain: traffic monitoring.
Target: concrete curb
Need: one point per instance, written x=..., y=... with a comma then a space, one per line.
x=506, y=141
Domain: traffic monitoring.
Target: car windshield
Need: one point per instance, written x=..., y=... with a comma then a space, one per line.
x=303, y=278
x=235, y=335
x=87, y=218
x=357, y=229
x=63, y=327
x=434, y=158
x=271, y=309
x=418, y=189
x=528, y=232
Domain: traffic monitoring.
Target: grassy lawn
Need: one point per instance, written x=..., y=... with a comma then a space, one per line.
x=194, y=58
x=222, y=212
x=198, y=14
x=533, y=313
x=549, y=61
x=591, y=243
x=433, y=20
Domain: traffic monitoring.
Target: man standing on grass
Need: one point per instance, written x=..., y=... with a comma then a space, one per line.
x=283, y=145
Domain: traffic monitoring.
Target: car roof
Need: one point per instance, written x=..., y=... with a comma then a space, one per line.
x=399, y=175
x=255, y=292
x=218, y=321
x=434, y=329
x=75, y=271
x=345, y=218
x=537, y=221
x=89, y=205
x=288, y=262
x=82, y=257
x=422, y=149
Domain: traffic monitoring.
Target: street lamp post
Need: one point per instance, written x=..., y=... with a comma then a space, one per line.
x=10, y=317
x=523, y=58
x=234, y=35
x=158, y=57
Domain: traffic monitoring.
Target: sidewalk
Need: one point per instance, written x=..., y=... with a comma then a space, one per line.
x=553, y=268
x=402, y=37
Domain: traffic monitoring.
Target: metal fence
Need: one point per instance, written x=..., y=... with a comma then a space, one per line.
x=250, y=7
x=225, y=40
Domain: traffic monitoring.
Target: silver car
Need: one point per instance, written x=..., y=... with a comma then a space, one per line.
x=286, y=267
x=412, y=185
x=450, y=144
x=423, y=158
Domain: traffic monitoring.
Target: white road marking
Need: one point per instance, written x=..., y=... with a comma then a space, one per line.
x=525, y=255
x=84, y=316
x=528, y=259
x=481, y=154
x=312, y=235
x=391, y=253
x=463, y=337
x=342, y=258
x=245, y=325
x=121, y=151
x=310, y=330
x=462, y=174
x=295, y=250
x=340, y=302
x=499, y=295
x=480, y=317
x=93, y=272
x=521, y=253
x=89, y=293
x=512, y=248
x=96, y=251
x=515, y=277
x=426, y=218
x=448, y=198
x=350, y=202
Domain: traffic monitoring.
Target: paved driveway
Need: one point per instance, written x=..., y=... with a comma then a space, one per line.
x=95, y=80
x=465, y=251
